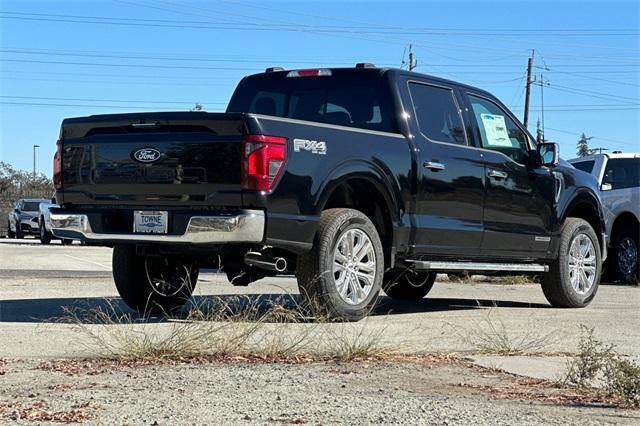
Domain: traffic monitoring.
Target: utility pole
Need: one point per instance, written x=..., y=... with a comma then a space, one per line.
x=413, y=63
x=599, y=150
x=34, y=159
x=541, y=83
x=527, y=96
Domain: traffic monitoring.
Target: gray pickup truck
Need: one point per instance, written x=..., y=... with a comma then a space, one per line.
x=618, y=175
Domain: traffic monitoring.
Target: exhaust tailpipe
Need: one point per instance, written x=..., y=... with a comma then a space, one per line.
x=277, y=264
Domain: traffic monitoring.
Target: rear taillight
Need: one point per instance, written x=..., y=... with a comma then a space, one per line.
x=57, y=165
x=263, y=159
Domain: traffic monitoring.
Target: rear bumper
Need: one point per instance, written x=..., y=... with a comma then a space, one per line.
x=246, y=226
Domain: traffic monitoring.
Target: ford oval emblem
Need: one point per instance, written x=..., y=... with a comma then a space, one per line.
x=147, y=155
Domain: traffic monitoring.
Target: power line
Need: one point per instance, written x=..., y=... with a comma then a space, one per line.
x=107, y=100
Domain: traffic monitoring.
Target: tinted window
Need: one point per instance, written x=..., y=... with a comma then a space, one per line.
x=498, y=132
x=437, y=113
x=622, y=173
x=345, y=98
x=585, y=166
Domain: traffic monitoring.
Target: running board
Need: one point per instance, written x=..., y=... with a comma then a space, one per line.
x=425, y=265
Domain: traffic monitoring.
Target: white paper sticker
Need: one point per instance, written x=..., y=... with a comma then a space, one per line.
x=496, y=130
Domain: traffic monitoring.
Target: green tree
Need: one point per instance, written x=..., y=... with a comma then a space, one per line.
x=583, y=146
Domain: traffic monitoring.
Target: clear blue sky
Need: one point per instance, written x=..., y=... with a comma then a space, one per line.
x=69, y=58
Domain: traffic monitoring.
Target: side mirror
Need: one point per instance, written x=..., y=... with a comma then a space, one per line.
x=549, y=154
x=606, y=187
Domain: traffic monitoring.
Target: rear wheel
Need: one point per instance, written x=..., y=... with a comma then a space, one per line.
x=45, y=236
x=153, y=284
x=573, y=278
x=624, y=256
x=407, y=284
x=342, y=275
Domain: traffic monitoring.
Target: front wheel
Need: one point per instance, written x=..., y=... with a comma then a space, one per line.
x=573, y=278
x=153, y=284
x=624, y=256
x=10, y=233
x=407, y=284
x=342, y=275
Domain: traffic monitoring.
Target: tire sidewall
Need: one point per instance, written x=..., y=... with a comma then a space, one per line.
x=347, y=221
x=575, y=298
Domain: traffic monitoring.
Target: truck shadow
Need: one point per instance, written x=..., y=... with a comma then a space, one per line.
x=95, y=310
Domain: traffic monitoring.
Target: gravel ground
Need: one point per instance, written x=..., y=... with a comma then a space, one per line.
x=261, y=393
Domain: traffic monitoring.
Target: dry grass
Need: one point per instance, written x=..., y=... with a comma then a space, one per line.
x=488, y=279
x=224, y=328
x=491, y=336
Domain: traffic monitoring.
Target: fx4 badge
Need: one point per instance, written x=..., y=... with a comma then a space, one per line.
x=314, y=147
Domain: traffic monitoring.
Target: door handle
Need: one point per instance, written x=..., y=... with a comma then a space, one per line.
x=434, y=165
x=497, y=174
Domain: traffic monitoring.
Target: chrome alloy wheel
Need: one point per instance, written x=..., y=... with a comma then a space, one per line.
x=582, y=263
x=354, y=266
x=627, y=256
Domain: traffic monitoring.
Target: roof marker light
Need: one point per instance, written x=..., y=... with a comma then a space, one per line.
x=310, y=73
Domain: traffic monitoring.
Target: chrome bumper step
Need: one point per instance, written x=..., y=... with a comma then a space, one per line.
x=247, y=226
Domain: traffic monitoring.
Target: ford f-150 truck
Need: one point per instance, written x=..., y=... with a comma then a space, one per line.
x=355, y=179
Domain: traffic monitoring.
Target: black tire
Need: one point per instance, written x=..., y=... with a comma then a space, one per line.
x=10, y=233
x=315, y=269
x=407, y=284
x=45, y=236
x=556, y=284
x=66, y=242
x=19, y=233
x=624, y=259
x=153, y=284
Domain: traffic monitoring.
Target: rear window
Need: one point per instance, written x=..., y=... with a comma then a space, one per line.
x=622, y=173
x=345, y=99
x=585, y=166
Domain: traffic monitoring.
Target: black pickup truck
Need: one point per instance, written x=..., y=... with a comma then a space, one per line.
x=355, y=179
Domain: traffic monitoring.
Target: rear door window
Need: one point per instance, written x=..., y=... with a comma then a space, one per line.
x=622, y=173
x=437, y=113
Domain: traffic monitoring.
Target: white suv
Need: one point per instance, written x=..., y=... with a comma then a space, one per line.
x=619, y=177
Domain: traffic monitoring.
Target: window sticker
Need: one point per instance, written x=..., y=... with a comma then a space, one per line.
x=496, y=130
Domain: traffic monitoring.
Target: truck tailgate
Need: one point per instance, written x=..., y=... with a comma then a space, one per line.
x=181, y=159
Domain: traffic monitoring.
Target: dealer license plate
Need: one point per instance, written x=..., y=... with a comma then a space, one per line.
x=150, y=222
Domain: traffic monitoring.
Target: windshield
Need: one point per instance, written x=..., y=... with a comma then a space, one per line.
x=31, y=206
x=344, y=98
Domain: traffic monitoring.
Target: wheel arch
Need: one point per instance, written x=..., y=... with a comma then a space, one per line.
x=586, y=206
x=624, y=220
x=362, y=186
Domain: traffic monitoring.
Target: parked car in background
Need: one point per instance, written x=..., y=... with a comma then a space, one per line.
x=23, y=219
x=45, y=223
x=619, y=177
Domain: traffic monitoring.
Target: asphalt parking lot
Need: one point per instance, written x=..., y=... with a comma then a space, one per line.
x=44, y=377
x=37, y=282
